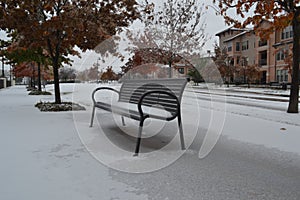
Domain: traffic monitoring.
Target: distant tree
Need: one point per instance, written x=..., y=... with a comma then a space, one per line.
x=253, y=74
x=280, y=13
x=30, y=69
x=148, y=56
x=3, y=53
x=128, y=66
x=18, y=55
x=26, y=69
x=177, y=28
x=250, y=73
x=195, y=76
x=83, y=75
x=93, y=73
x=222, y=61
x=109, y=75
x=58, y=26
x=67, y=73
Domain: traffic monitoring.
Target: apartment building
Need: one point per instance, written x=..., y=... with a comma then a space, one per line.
x=245, y=47
x=282, y=65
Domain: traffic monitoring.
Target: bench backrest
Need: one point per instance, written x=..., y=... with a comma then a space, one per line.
x=132, y=90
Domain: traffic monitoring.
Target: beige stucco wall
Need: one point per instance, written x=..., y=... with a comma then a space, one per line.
x=255, y=51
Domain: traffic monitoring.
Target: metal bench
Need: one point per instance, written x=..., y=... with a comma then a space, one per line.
x=142, y=99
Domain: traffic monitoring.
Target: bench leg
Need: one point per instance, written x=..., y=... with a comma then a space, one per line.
x=92, y=119
x=181, y=132
x=139, y=138
x=123, y=121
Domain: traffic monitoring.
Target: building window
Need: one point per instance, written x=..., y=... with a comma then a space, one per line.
x=263, y=58
x=237, y=46
x=282, y=75
x=262, y=43
x=229, y=47
x=280, y=55
x=287, y=33
x=245, y=45
x=181, y=70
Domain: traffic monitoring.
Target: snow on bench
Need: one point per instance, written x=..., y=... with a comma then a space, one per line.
x=142, y=99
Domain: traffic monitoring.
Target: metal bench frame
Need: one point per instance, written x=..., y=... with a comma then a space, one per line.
x=164, y=92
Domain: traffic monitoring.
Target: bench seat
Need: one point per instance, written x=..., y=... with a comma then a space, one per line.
x=131, y=110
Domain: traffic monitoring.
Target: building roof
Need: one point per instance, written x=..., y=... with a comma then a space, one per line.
x=182, y=65
x=238, y=35
x=231, y=29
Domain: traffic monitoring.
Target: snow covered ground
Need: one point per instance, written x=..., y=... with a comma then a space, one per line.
x=57, y=155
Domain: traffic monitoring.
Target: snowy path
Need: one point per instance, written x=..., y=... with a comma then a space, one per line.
x=42, y=157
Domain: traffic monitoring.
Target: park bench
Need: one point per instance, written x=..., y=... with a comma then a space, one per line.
x=141, y=99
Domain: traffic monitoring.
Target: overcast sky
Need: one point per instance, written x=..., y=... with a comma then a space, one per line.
x=214, y=25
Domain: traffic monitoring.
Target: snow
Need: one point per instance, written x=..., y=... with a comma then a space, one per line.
x=42, y=156
x=58, y=156
x=251, y=118
x=248, y=116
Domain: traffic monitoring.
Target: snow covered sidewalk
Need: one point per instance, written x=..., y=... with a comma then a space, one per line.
x=42, y=157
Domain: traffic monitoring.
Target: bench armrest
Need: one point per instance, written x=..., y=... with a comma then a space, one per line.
x=102, y=88
x=174, y=115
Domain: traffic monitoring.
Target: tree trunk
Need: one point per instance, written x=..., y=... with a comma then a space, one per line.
x=55, y=64
x=56, y=82
x=33, y=76
x=31, y=82
x=294, y=95
x=39, y=77
x=3, y=75
x=170, y=68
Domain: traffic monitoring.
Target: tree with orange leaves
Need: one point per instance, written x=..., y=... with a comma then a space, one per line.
x=280, y=13
x=59, y=25
x=222, y=61
x=30, y=69
x=109, y=75
x=28, y=58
